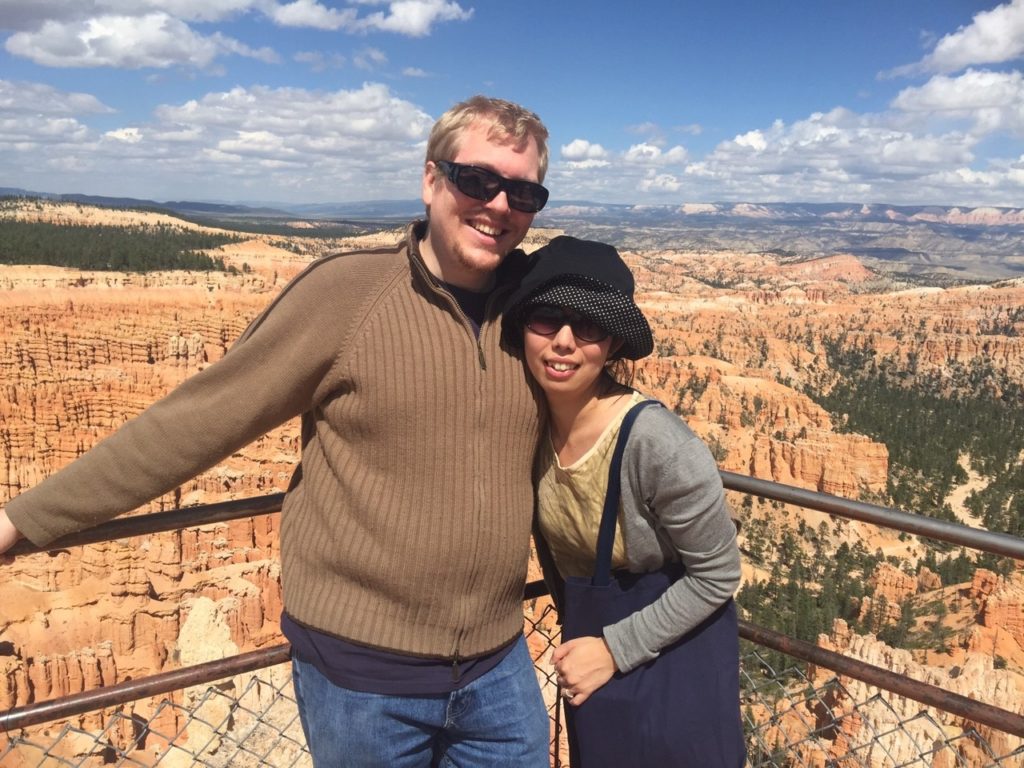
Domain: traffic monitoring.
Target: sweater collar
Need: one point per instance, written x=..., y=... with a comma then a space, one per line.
x=509, y=272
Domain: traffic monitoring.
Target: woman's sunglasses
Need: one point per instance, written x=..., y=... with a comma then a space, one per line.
x=547, y=321
x=481, y=184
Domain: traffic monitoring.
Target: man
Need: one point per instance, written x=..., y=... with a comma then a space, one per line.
x=405, y=529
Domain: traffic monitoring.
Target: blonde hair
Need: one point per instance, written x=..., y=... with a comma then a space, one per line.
x=509, y=123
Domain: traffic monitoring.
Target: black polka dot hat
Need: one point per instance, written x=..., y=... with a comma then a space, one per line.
x=589, y=278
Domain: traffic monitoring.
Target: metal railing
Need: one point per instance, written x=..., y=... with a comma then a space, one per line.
x=791, y=719
x=992, y=542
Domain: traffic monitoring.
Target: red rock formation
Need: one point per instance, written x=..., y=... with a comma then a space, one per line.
x=895, y=724
x=927, y=580
x=843, y=268
x=999, y=631
x=738, y=336
x=767, y=430
x=891, y=587
x=80, y=353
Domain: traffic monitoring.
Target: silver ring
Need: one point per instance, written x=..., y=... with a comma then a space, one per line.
x=569, y=695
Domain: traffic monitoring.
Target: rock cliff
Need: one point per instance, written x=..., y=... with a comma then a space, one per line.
x=80, y=354
x=739, y=337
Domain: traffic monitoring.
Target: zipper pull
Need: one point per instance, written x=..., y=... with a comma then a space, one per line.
x=455, y=669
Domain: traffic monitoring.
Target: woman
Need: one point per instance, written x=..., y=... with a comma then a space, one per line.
x=649, y=659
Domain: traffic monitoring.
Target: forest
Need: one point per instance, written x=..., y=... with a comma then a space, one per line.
x=109, y=248
x=810, y=584
x=933, y=422
x=929, y=420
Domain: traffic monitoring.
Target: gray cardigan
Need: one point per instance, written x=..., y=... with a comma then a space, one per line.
x=673, y=509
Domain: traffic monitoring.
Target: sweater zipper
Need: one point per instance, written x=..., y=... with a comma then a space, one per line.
x=466, y=323
x=455, y=668
x=468, y=326
x=456, y=659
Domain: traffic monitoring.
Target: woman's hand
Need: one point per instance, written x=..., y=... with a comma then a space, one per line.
x=582, y=666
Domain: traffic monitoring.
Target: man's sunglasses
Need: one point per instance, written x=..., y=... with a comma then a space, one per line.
x=547, y=321
x=481, y=184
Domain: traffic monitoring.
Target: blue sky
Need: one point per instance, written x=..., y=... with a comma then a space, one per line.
x=905, y=102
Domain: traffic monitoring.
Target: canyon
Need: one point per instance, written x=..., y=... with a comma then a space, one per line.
x=740, y=337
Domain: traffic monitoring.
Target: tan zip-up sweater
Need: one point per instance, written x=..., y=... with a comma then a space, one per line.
x=406, y=525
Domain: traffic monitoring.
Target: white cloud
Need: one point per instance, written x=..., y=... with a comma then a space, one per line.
x=369, y=58
x=642, y=153
x=244, y=143
x=839, y=155
x=368, y=142
x=753, y=140
x=127, y=135
x=39, y=124
x=29, y=15
x=990, y=101
x=133, y=34
x=192, y=10
x=992, y=37
x=651, y=132
x=837, y=142
x=310, y=13
x=30, y=135
x=897, y=156
x=257, y=144
x=583, y=165
x=693, y=129
x=175, y=134
x=230, y=45
x=589, y=171
x=128, y=42
x=39, y=99
x=649, y=154
x=914, y=154
x=659, y=182
x=675, y=155
x=581, y=149
x=371, y=113
x=414, y=18
x=319, y=61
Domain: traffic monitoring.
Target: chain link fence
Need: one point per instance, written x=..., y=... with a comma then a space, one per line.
x=792, y=720
x=795, y=720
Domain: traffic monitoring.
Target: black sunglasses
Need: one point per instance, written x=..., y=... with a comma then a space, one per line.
x=547, y=321
x=481, y=184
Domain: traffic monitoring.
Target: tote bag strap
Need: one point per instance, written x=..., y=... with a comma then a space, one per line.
x=610, y=514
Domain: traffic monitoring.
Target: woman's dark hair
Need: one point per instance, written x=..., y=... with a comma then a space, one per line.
x=621, y=371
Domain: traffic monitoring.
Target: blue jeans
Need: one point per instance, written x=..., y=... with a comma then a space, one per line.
x=497, y=720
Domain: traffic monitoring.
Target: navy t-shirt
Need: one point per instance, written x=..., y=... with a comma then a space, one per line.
x=373, y=670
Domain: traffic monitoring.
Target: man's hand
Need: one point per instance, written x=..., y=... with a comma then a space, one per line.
x=8, y=536
x=582, y=665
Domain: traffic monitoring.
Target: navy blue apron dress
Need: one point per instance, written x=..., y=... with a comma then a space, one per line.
x=680, y=709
